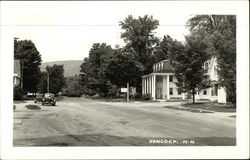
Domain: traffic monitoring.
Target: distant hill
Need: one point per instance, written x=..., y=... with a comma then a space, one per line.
x=71, y=67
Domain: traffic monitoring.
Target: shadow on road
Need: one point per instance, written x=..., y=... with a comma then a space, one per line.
x=110, y=140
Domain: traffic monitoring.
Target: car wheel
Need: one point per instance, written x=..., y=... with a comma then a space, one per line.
x=42, y=103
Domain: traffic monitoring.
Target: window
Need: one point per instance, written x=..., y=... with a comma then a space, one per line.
x=204, y=92
x=170, y=78
x=171, y=91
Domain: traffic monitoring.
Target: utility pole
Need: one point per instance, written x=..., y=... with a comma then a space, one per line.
x=48, y=82
x=127, y=92
x=21, y=62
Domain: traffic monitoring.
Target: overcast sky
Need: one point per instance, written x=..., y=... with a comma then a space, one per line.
x=67, y=30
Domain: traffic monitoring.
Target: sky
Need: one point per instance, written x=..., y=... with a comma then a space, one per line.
x=67, y=30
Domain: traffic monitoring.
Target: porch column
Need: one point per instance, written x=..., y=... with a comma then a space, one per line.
x=142, y=85
x=147, y=85
x=153, y=86
x=168, y=87
x=150, y=83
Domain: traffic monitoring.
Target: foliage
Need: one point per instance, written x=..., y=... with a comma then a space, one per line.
x=73, y=87
x=122, y=69
x=26, y=52
x=56, y=78
x=42, y=86
x=93, y=69
x=113, y=91
x=188, y=63
x=146, y=97
x=137, y=96
x=18, y=93
x=219, y=31
x=140, y=41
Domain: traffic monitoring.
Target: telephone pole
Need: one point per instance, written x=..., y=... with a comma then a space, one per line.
x=48, y=82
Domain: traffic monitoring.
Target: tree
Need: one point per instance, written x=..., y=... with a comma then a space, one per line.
x=140, y=40
x=42, y=86
x=93, y=68
x=26, y=52
x=139, y=36
x=188, y=62
x=219, y=31
x=56, y=78
x=73, y=87
x=123, y=69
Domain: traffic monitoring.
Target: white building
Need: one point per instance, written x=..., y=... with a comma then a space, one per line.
x=161, y=83
x=17, y=73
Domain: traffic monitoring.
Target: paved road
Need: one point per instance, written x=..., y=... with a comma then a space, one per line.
x=85, y=122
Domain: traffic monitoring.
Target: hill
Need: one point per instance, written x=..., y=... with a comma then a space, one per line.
x=71, y=67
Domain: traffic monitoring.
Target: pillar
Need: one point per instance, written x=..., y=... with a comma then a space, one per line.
x=153, y=86
x=150, y=83
x=168, y=87
x=142, y=85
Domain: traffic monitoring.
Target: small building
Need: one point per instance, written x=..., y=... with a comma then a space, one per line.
x=17, y=73
x=161, y=83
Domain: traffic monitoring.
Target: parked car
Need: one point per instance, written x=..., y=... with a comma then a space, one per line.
x=38, y=98
x=49, y=98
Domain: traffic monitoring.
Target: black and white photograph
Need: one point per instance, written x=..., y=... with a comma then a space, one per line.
x=166, y=76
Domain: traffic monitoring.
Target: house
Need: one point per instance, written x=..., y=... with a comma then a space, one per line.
x=161, y=83
x=17, y=73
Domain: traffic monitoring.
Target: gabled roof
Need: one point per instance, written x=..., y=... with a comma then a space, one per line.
x=167, y=67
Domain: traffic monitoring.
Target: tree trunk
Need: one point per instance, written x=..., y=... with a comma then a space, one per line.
x=193, y=97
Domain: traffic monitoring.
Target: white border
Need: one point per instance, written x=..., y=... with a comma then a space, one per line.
x=239, y=8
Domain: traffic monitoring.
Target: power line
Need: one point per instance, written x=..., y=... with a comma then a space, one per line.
x=87, y=25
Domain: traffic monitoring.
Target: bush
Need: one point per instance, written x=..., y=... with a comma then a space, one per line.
x=113, y=91
x=146, y=97
x=18, y=93
x=137, y=96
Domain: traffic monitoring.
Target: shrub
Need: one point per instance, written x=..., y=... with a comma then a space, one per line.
x=18, y=93
x=137, y=96
x=113, y=91
x=146, y=97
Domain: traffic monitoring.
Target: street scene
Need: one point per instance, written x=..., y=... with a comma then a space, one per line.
x=90, y=122
x=133, y=78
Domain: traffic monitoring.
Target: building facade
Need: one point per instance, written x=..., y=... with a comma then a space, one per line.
x=161, y=83
x=17, y=73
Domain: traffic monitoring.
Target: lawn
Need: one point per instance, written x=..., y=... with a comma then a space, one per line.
x=211, y=107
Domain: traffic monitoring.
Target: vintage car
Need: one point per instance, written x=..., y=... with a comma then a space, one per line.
x=38, y=98
x=49, y=98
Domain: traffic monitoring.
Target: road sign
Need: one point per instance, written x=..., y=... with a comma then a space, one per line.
x=124, y=89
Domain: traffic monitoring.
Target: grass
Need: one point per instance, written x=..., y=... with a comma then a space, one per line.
x=211, y=107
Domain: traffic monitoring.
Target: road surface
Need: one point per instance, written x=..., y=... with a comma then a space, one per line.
x=86, y=122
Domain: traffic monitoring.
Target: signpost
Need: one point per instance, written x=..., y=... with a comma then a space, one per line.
x=126, y=90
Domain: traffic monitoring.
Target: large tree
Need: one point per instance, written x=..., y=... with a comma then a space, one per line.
x=140, y=38
x=219, y=31
x=123, y=69
x=27, y=53
x=93, y=68
x=188, y=60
